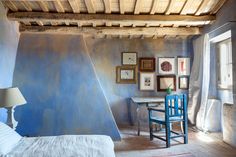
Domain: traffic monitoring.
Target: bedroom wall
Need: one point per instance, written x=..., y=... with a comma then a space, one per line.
x=9, y=37
x=225, y=20
x=55, y=74
x=106, y=55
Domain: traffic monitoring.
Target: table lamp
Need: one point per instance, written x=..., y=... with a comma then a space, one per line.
x=9, y=98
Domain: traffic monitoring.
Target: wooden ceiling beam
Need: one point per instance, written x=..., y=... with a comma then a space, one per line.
x=11, y=5
x=188, y=5
x=122, y=6
x=90, y=6
x=202, y=7
x=113, y=18
x=218, y=6
x=138, y=6
x=107, y=4
x=181, y=31
x=74, y=5
x=169, y=7
x=43, y=6
x=154, y=6
x=59, y=7
x=26, y=5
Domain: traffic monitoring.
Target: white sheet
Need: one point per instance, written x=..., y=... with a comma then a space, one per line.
x=64, y=146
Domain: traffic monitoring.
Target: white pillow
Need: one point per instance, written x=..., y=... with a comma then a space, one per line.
x=8, y=138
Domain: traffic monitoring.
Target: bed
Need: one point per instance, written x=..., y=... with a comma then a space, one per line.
x=13, y=145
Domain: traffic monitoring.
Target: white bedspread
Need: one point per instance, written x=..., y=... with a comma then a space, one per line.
x=64, y=146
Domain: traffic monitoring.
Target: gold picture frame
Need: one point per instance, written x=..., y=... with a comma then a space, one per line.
x=126, y=74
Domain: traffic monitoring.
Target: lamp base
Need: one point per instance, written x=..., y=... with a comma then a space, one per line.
x=10, y=117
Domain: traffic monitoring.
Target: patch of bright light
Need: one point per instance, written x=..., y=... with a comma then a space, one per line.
x=204, y=137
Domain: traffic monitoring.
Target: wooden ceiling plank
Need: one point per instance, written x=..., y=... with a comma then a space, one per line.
x=90, y=6
x=59, y=7
x=154, y=6
x=186, y=7
x=11, y=5
x=116, y=18
x=107, y=4
x=27, y=23
x=40, y=23
x=122, y=6
x=138, y=6
x=202, y=7
x=218, y=6
x=111, y=30
x=74, y=5
x=169, y=7
x=26, y=5
x=43, y=6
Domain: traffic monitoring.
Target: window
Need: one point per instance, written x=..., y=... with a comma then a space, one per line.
x=224, y=64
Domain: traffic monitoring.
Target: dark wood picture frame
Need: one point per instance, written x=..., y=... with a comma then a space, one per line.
x=148, y=61
x=119, y=80
x=159, y=77
x=185, y=77
x=122, y=58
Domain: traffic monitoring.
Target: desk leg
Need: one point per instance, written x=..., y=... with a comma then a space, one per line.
x=131, y=121
x=138, y=119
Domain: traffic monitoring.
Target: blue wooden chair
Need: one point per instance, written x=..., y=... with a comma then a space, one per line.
x=175, y=111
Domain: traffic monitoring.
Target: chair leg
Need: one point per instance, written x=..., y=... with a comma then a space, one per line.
x=167, y=135
x=185, y=126
x=150, y=130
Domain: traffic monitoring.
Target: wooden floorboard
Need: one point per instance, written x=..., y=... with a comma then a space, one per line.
x=200, y=145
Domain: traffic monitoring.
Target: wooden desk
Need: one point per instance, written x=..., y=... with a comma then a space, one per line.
x=146, y=101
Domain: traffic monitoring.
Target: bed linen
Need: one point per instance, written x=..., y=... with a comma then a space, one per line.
x=64, y=146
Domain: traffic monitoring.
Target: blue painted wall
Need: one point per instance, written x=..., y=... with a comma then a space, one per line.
x=9, y=37
x=106, y=55
x=55, y=74
x=225, y=20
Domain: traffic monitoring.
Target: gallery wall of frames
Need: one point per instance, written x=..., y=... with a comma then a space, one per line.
x=153, y=73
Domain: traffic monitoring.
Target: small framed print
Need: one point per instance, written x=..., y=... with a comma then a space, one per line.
x=147, y=64
x=163, y=82
x=183, y=66
x=183, y=82
x=129, y=58
x=126, y=74
x=147, y=81
x=166, y=65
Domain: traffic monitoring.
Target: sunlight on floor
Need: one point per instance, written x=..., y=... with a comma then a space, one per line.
x=204, y=137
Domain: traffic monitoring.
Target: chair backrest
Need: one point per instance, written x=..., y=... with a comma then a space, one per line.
x=176, y=105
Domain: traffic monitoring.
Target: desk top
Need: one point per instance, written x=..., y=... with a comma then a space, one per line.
x=148, y=99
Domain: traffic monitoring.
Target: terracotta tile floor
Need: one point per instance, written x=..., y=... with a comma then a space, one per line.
x=200, y=145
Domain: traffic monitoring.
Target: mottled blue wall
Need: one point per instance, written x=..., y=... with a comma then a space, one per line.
x=55, y=74
x=106, y=55
x=9, y=37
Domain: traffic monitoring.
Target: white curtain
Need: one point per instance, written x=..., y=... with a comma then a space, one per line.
x=199, y=82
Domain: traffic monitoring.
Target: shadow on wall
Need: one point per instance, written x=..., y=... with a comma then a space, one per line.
x=56, y=77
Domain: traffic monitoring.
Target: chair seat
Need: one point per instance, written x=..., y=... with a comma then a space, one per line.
x=162, y=120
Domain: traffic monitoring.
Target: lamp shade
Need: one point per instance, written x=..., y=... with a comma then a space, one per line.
x=10, y=97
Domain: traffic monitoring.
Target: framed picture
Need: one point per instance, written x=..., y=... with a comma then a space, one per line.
x=163, y=82
x=147, y=81
x=183, y=82
x=147, y=64
x=183, y=66
x=166, y=65
x=126, y=74
x=129, y=58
